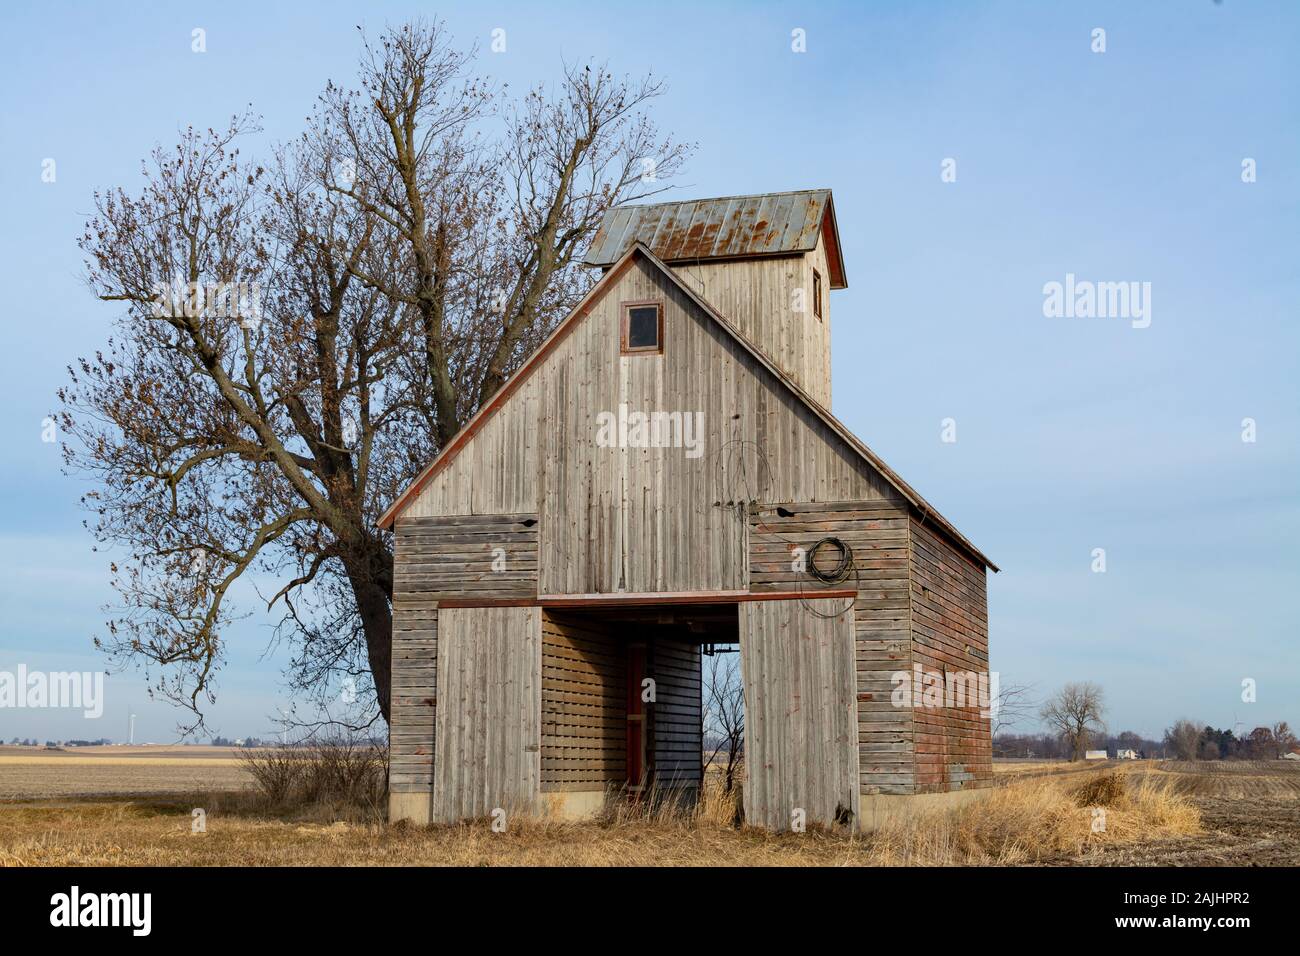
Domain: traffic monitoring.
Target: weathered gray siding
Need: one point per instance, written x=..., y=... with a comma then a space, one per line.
x=436, y=558
x=488, y=748
x=489, y=557
x=413, y=699
x=801, y=732
x=760, y=296
x=877, y=534
x=646, y=519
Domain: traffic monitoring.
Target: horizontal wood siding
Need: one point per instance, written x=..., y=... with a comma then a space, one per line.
x=801, y=740
x=954, y=748
x=877, y=534
x=466, y=556
x=676, y=727
x=414, y=697
x=488, y=747
x=584, y=710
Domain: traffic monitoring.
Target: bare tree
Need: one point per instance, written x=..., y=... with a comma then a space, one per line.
x=1075, y=714
x=403, y=256
x=1183, y=739
x=724, y=715
x=1014, y=702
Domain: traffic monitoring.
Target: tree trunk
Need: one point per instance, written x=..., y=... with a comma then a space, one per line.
x=372, y=587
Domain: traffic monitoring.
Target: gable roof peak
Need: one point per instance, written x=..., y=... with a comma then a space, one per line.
x=638, y=248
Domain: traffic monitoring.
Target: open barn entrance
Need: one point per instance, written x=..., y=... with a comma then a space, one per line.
x=622, y=700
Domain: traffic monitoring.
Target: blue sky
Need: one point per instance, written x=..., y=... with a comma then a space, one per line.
x=1072, y=434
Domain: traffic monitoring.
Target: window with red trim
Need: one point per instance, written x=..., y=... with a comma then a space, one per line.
x=643, y=327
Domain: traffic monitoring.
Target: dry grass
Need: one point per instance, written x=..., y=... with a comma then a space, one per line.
x=1032, y=820
x=341, y=772
x=1024, y=822
x=1015, y=769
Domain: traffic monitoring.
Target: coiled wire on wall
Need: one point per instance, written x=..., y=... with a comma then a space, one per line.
x=842, y=568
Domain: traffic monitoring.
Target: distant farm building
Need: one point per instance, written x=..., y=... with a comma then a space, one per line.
x=1126, y=755
x=1095, y=755
x=664, y=475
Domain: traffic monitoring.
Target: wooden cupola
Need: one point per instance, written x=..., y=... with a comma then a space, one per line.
x=766, y=263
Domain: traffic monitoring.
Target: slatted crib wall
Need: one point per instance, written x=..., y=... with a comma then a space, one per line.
x=584, y=709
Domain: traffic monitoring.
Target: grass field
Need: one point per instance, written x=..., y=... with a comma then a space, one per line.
x=1040, y=814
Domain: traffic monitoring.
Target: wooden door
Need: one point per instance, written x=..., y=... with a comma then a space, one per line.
x=488, y=742
x=798, y=666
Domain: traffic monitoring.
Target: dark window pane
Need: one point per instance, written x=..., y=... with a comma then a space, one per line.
x=643, y=327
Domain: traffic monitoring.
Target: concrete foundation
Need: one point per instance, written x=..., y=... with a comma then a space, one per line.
x=877, y=809
x=416, y=808
x=576, y=806
x=573, y=805
x=413, y=807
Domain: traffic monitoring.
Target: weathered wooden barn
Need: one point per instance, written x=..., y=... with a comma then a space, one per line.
x=653, y=482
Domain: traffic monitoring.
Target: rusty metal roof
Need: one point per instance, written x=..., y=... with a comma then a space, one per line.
x=769, y=224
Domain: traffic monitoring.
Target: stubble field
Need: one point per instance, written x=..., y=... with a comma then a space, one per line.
x=134, y=807
x=28, y=772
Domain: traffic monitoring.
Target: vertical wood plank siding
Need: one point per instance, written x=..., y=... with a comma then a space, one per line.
x=759, y=296
x=950, y=635
x=646, y=519
x=801, y=740
x=435, y=558
x=877, y=533
x=584, y=711
x=488, y=750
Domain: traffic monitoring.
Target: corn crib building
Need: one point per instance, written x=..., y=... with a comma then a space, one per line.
x=656, y=481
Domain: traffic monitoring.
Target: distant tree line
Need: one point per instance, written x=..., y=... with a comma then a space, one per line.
x=33, y=742
x=1185, y=740
x=262, y=742
x=1193, y=740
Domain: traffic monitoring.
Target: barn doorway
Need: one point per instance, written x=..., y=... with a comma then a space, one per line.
x=622, y=698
